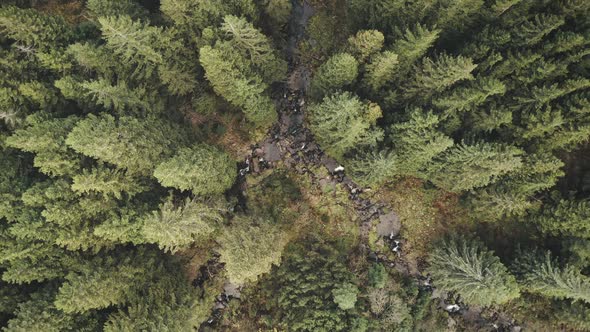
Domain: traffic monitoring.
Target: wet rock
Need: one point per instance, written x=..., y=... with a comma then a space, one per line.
x=388, y=224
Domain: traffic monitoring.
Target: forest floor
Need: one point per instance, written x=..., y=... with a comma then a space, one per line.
x=290, y=145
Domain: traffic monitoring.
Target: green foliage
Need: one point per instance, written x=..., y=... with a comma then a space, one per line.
x=32, y=28
x=342, y=123
x=197, y=15
x=413, y=45
x=137, y=145
x=307, y=279
x=345, y=296
x=437, y=75
x=104, y=8
x=255, y=47
x=238, y=88
x=381, y=70
x=339, y=71
x=471, y=96
x=45, y=137
x=465, y=167
x=101, y=288
x=566, y=218
x=250, y=247
x=177, y=227
x=134, y=42
x=107, y=182
x=365, y=43
x=542, y=274
x=202, y=169
x=468, y=268
x=378, y=275
x=169, y=304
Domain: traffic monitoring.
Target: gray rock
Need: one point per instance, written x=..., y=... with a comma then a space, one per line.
x=231, y=290
x=388, y=224
x=272, y=152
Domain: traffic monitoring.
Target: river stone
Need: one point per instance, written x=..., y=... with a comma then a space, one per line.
x=231, y=290
x=388, y=224
x=271, y=152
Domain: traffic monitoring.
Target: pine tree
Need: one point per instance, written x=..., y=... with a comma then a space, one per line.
x=34, y=29
x=381, y=70
x=412, y=46
x=202, y=169
x=40, y=314
x=539, y=96
x=104, y=283
x=437, y=75
x=365, y=43
x=374, y=168
x=529, y=33
x=241, y=89
x=105, y=8
x=305, y=281
x=345, y=296
x=471, y=96
x=465, y=167
x=541, y=274
x=136, y=44
x=279, y=11
x=468, y=268
x=417, y=142
x=175, y=228
x=196, y=15
x=494, y=118
x=339, y=71
x=498, y=202
x=454, y=15
x=46, y=138
x=108, y=182
x=116, y=97
x=169, y=304
x=342, y=123
x=129, y=143
x=565, y=218
x=250, y=248
x=255, y=47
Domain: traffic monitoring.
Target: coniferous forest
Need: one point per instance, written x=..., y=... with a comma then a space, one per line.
x=294, y=165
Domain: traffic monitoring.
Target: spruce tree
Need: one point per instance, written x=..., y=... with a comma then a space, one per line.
x=339, y=71
x=365, y=43
x=566, y=218
x=129, y=143
x=471, y=96
x=45, y=137
x=176, y=227
x=542, y=274
x=250, y=247
x=412, y=46
x=105, y=8
x=381, y=70
x=202, y=169
x=468, y=268
x=342, y=123
x=106, y=282
x=465, y=167
x=107, y=182
x=34, y=29
x=239, y=86
x=437, y=75
x=255, y=47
